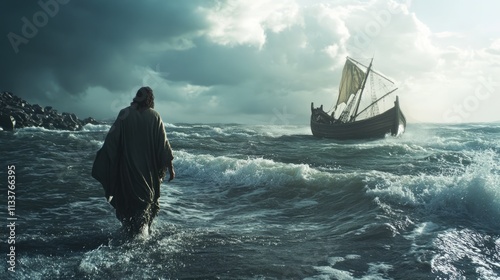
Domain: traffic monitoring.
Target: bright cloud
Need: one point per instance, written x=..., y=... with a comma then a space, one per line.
x=250, y=61
x=246, y=22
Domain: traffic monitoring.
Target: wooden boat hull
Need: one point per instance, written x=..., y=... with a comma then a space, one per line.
x=391, y=121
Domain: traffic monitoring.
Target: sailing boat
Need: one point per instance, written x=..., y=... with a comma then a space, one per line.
x=348, y=121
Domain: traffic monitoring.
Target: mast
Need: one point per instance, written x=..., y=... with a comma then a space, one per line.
x=362, y=88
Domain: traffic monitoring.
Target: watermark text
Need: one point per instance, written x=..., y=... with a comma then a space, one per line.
x=11, y=218
x=29, y=29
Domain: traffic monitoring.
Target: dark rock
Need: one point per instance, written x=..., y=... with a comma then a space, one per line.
x=10, y=108
x=6, y=95
x=71, y=121
x=7, y=122
x=37, y=119
x=22, y=119
x=89, y=120
x=49, y=126
x=59, y=124
x=29, y=110
x=38, y=109
x=70, y=117
x=17, y=113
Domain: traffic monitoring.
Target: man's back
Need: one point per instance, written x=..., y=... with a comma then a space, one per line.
x=133, y=161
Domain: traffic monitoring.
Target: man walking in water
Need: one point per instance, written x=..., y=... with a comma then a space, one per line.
x=133, y=161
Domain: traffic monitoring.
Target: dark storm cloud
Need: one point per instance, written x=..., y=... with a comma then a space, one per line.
x=211, y=64
x=87, y=46
x=67, y=46
x=214, y=60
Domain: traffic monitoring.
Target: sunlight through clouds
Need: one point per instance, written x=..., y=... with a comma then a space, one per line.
x=247, y=58
x=246, y=22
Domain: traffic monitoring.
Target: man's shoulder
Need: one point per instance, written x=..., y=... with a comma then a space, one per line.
x=124, y=113
x=153, y=115
x=153, y=112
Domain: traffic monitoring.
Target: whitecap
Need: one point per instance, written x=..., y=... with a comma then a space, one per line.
x=96, y=127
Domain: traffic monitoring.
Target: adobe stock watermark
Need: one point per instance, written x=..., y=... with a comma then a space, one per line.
x=69, y=166
x=280, y=117
x=152, y=78
x=39, y=19
x=462, y=110
x=379, y=20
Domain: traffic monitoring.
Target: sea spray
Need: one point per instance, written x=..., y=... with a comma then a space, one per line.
x=257, y=201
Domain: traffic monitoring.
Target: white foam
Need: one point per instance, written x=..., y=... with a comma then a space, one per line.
x=96, y=127
x=280, y=130
x=375, y=270
x=305, y=203
x=103, y=258
x=471, y=192
x=170, y=125
x=378, y=270
x=85, y=128
x=423, y=229
x=459, y=246
x=246, y=172
x=328, y=272
x=39, y=128
x=179, y=134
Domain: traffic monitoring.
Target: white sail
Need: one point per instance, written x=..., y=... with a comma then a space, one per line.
x=352, y=80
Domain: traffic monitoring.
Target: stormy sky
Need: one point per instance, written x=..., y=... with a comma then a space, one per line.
x=259, y=62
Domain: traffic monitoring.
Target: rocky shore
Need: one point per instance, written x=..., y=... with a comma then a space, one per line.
x=17, y=113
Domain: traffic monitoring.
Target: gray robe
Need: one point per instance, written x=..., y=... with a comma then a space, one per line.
x=133, y=161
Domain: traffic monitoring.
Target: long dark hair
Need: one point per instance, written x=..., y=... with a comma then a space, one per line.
x=144, y=98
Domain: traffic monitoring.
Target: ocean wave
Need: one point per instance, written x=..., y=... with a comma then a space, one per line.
x=460, y=137
x=280, y=130
x=40, y=129
x=96, y=127
x=245, y=172
x=244, y=131
x=469, y=192
x=459, y=247
x=86, y=128
x=176, y=126
x=415, y=206
x=178, y=134
x=238, y=185
x=374, y=271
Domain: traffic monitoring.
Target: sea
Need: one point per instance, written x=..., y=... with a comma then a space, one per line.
x=261, y=202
